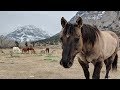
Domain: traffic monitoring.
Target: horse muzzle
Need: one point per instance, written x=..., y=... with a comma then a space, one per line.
x=66, y=64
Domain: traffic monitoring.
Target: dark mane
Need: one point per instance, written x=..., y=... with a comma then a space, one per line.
x=89, y=33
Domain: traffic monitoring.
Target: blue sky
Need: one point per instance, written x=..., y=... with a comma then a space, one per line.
x=47, y=20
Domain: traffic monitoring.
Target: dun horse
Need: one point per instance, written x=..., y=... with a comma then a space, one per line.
x=91, y=45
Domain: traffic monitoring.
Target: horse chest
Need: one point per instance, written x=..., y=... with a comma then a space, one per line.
x=88, y=56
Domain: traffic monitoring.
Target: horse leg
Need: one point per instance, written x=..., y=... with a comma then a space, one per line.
x=108, y=64
x=28, y=51
x=85, y=67
x=46, y=51
x=97, y=69
x=31, y=51
x=22, y=51
x=34, y=52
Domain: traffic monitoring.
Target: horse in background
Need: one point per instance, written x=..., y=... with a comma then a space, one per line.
x=16, y=50
x=90, y=45
x=47, y=50
x=32, y=49
x=28, y=49
x=25, y=50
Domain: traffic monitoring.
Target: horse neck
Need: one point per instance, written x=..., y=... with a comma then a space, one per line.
x=87, y=47
x=98, y=45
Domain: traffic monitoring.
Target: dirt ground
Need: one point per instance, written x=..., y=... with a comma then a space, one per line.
x=43, y=66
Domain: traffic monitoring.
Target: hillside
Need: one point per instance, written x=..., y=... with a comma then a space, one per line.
x=51, y=40
x=104, y=20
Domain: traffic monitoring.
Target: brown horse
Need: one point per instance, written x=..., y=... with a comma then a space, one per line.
x=32, y=50
x=91, y=45
x=27, y=49
x=47, y=50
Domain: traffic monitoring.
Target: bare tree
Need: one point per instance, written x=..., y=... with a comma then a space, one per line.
x=2, y=39
x=33, y=43
x=26, y=44
x=17, y=43
x=5, y=42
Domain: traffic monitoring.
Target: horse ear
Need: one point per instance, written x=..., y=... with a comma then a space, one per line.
x=79, y=21
x=63, y=22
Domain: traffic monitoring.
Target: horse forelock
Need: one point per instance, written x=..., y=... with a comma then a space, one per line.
x=69, y=29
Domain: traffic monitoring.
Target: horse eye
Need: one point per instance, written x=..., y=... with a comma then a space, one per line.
x=76, y=40
x=61, y=39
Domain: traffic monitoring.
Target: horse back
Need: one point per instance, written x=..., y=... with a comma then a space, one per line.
x=112, y=35
x=110, y=43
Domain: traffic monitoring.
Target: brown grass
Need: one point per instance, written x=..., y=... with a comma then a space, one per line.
x=43, y=66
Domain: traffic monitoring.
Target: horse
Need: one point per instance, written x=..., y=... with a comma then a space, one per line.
x=16, y=50
x=90, y=45
x=25, y=50
x=47, y=50
x=32, y=50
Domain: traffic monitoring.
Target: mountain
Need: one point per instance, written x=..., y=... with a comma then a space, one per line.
x=107, y=20
x=28, y=33
x=54, y=38
x=104, y=20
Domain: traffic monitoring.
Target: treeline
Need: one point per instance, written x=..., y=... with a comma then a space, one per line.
x=54, y=40
x=5, y=42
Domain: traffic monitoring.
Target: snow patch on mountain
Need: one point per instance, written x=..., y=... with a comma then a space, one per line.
x=28, y=33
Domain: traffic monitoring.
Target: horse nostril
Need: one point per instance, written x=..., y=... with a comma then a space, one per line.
x=61, y=63
x=69, y=64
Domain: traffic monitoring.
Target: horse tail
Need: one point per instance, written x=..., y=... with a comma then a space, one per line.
x=114, y=64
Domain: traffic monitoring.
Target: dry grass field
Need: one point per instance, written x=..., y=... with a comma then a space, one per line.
x=43, y=66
